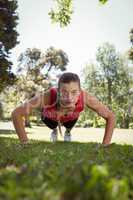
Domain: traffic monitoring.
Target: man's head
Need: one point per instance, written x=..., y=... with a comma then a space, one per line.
x=69, y=89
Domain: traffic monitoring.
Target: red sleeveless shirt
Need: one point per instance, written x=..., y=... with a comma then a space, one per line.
x=50, y=111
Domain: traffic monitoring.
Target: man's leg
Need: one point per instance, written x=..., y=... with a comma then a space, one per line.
x=68, y=125
x=52, y=125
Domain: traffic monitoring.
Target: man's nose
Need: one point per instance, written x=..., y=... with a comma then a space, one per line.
x=69, y=97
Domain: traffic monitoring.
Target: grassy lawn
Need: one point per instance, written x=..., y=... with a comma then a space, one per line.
x=65, y=171
x=120, y=136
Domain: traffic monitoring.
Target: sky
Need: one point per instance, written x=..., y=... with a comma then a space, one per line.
x=92, y=24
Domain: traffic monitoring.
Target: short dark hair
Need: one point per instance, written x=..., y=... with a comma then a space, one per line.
x=68, y=77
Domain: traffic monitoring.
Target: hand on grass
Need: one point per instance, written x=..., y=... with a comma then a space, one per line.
x=25, y=143
x=99, y=145
x=21, y=145
x=107, y=145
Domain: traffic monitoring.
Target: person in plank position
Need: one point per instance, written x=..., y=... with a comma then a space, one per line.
x=62, y=105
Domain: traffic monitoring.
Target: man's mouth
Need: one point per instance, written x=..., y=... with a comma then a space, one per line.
x=67, y=104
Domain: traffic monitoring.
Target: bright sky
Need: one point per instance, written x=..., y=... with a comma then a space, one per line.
x=91, y=26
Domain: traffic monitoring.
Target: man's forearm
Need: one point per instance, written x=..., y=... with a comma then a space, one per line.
x=19, y=127
x=110, y=124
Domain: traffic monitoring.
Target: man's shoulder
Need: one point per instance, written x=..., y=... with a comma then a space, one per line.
x=49, y=95
x=49, y=90
x=85, y=92
x=87, y=96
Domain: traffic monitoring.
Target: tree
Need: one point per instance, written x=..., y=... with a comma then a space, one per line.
x=1, y=111
x=112, y=72
x=94, y=83
x=123, y=93
x=8, y=40
x=118, y=79
x=63, y=11
x=37, y=65
x=33, y=74
x=109, y=61
x=56, y=58
x=131, y=49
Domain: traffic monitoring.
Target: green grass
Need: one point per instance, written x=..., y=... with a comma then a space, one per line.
x=65, y=171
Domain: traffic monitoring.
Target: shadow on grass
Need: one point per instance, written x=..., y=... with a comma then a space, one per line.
x=34, y=142
x=92, y=152
x=9, y=132
x=65, y=166
x=6, y=132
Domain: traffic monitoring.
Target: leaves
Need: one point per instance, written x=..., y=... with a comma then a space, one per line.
x=65, y=171
x=131, y=49
x=62, y=13
x=8, y=40
x=103, y=1
x=111, y=81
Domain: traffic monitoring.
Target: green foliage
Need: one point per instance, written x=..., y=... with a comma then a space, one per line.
x=33, y=61
x=1, y=111
x=131, y=36
x=8, y=40
x=131, y=49
x=62, y=14
x=33, y=77
x=43, y=170
x=118, y=189
x=56, y=58
x=63, y=11
x=103, y=1
x=131, y=53
x=109, y=61
x=110, y=80
x=36, y=66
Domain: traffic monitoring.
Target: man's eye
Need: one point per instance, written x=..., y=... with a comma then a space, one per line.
x=64, y=93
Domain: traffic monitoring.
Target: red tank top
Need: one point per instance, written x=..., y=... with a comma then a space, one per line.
x=50, y=111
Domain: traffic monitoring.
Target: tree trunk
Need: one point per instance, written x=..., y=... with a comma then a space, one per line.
x=126, y=121
x=109, y=92
x=1, y=112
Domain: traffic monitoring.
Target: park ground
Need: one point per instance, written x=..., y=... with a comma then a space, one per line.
x=120, y=136
x=78, y=170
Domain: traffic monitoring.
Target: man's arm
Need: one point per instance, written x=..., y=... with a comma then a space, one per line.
x=102, y=110
x=22, y=111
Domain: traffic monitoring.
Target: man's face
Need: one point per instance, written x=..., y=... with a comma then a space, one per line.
x=69, y=93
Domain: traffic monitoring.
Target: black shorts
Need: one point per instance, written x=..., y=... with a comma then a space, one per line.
x=53, y=124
